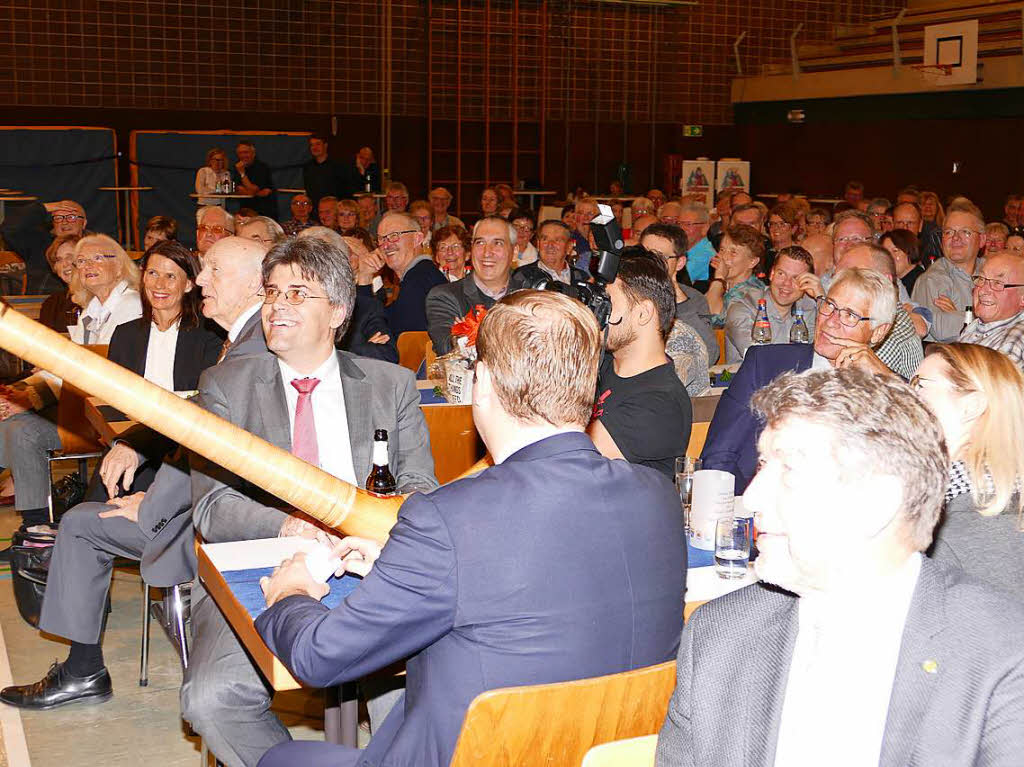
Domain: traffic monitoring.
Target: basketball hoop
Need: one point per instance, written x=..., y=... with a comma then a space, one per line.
x=934, y=74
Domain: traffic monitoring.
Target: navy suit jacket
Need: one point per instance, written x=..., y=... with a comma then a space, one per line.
x=367, y=319
x=409, y=310
x=557, y=564
x=731, y=443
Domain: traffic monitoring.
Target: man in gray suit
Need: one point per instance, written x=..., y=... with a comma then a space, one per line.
x=153, y=527
x=309, y=297
x=494, y=244
x=855, y=649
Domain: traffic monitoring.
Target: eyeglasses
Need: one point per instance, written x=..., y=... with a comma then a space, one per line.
x=302, y=203
x=453, y=248
x=217, y=230
x=777, y=224
x=916, y=383
x=958, y=234
x=827, y=307
x=69, y=217
x=347, y=214
x=264, y=240
x=99, y=258
x=852, y=239
x=394, y=237
x=293, y=296
x=997, y=286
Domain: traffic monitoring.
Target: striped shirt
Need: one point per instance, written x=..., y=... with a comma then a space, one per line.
x=1006, y=336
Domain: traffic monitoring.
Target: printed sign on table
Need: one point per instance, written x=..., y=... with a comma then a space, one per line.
x=733, y=174
x=696, y=180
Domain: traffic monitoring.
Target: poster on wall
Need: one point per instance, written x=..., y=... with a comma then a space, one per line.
x=695, y=181
x=732, y=174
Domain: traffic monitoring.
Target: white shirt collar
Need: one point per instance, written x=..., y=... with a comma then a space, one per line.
x=328, y=372
x=100, y=310
x=243, y=318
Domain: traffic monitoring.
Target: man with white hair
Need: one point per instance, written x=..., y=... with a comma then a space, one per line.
x=262, y=229
x=694, y=220
x=440, y=199
x=493, y=248
x=946, y=287
x=852, y=320
x=213, y=223
x=999, y=306
x=399, y=238
x=855, y=649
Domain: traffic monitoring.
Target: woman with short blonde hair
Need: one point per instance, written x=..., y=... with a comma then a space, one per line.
x=106, y=285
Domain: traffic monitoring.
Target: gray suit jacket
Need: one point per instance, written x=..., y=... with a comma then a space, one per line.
x=448, y=303
x=249, y=392
x=734, y=660
x=164, y=514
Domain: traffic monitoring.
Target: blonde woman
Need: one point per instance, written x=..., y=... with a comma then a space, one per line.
x=977, y=394
x=105, y=284
x=212, y=174
x=931, y=209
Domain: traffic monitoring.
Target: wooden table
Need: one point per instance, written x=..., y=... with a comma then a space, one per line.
x=129, y=230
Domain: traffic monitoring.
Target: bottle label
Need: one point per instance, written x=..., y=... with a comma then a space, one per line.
x=380, y=453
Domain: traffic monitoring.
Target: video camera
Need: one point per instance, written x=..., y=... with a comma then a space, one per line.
x=604, y=267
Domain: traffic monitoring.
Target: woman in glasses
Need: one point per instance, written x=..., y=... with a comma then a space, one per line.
x=105, y=282
x=977, y=394
x=450, y=248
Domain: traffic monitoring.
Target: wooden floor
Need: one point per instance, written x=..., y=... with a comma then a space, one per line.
x=140, y=724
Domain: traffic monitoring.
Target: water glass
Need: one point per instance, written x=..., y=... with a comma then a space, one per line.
x=732, y=547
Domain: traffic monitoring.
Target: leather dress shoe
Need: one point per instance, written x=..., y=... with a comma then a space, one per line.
x=59, y=688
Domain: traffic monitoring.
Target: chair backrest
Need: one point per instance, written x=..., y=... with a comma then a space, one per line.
x=76, y=433
x=554, y=725
x=412, y=346
x=698, y=436
x=632, y=752
x=453, y=440
x=720, y=337
x=13, y=267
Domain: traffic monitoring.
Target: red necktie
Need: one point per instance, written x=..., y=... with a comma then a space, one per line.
x=304, y=432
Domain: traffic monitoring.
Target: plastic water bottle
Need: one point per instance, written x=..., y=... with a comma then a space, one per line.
x=761, y=333
x=798, y=333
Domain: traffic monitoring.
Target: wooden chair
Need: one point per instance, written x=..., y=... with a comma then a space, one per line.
x=720, y=336
x=698, y=436
x=453, y=440
x=554, y=725
x=78, y=439
x=632, y=752
x=412, y=346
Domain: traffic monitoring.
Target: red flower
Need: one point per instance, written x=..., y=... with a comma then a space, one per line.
x=468, y=326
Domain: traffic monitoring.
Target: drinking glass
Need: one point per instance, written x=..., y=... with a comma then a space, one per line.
x=685, y=468
x=732, y=547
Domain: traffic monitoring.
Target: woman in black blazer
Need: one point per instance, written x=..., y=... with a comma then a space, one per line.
x=171, y=344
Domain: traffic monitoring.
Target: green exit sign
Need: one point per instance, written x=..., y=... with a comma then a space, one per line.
x=693, y=130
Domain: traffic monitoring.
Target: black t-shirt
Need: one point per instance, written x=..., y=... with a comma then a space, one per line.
x=322, y=179
x=259, y=174
x=648, y=415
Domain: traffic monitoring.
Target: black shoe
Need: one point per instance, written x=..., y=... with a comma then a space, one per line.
x=59, y=688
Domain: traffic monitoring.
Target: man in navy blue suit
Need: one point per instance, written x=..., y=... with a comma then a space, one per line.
x=852, y=320
x=555, y=564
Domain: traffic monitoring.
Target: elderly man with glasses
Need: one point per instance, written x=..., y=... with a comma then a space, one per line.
x=213, y=223
x=29, y=229
x=302, y=215
x=947, y=287
x=852, y=321
x=999, y=307
x=399, y=239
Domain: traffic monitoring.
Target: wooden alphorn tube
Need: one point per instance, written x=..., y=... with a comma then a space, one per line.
x=322, y=496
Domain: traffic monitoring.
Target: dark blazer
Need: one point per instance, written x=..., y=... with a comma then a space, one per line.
x=196, y=350
x=354, y=180
x=449, y=303
x=527, y=276
x=971, y=711
x=248, y=392
x=408, y=311
x=367, y=319
x=521, y=575
x=731, y=443
x=165, y=513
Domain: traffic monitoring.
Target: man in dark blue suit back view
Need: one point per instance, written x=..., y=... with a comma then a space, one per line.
x=555, y=564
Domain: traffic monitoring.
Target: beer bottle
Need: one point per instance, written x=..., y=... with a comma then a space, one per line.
x=381, y=482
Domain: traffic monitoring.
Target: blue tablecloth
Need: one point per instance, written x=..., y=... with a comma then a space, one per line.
x=427, y=397
x=245, y=585
x=698, y=557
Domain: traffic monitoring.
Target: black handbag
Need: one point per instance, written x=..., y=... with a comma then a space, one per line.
x=30, y=566
x=67, y=493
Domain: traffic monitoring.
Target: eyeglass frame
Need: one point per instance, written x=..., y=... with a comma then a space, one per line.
x=821, y=301
x=99, y=258
x=61, y=217
x=979, y=281
x=392, y=237
x=954, y=234
x=270, y=296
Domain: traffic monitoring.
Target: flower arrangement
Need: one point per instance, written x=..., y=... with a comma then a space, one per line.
x=453, y=369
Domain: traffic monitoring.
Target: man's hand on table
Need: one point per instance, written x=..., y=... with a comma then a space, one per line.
x=292, y=578
x=357, y=555
x=127, y=507
x=298, y=527
x=120, y=462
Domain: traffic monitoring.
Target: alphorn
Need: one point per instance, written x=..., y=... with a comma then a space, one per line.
x=312, y=491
